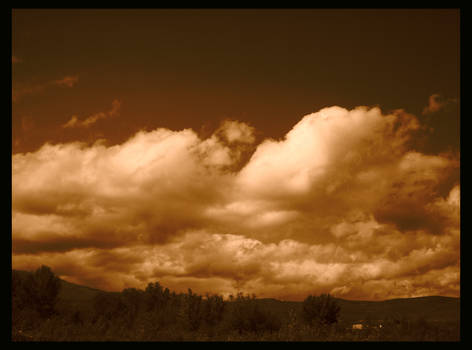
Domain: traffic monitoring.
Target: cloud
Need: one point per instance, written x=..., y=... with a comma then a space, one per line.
x=68, y=81
x=436, y=103
x=322, y=144
x=24, y=89
x=342, y=204
x=92, y=119
x=234, y=131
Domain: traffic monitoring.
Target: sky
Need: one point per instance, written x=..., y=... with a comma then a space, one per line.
x=278, y=152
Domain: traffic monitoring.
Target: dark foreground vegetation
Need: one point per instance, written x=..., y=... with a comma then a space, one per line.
x=45, y=308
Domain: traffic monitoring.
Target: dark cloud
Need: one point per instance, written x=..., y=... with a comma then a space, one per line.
x=56, y=243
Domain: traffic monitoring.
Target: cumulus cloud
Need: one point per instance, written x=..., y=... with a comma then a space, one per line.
x=234, y=131
x=321, y=145
x=92, y=119
x=342, y=204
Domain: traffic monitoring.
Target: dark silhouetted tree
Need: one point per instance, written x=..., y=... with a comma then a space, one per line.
x=191, y=311
x=213, y=308
x=246, y=315
x=320, y=310
x=21, y=290
x=155, y=296
x=24, y=313
x=107, y=306
x=45, y=287
x=34, y=297
x=132, y=301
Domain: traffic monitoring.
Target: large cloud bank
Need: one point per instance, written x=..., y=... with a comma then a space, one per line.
x=342, y=204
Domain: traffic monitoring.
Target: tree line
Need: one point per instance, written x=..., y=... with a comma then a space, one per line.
x=158, y=314
x=153, y=311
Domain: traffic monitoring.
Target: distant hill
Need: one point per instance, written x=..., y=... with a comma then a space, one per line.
x=431, y=308
x=76, y=297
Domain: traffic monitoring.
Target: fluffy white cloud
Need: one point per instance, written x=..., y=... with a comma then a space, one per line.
x=234, y=131
x=341, y=204
x=332, y=142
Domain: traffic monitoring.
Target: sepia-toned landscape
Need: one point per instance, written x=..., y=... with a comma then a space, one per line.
x=235, y=175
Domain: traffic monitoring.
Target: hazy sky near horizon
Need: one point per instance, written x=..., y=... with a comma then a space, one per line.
x=275, y=152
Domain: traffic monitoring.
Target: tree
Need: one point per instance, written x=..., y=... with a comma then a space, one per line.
x=131, y=301
x=24, y=313
x=155, y=296
x=191, y=311
x=21, y=290
x=107, y=306
x=246, y=315
x=45, y=290
x=321, y=310
x=213, y=309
